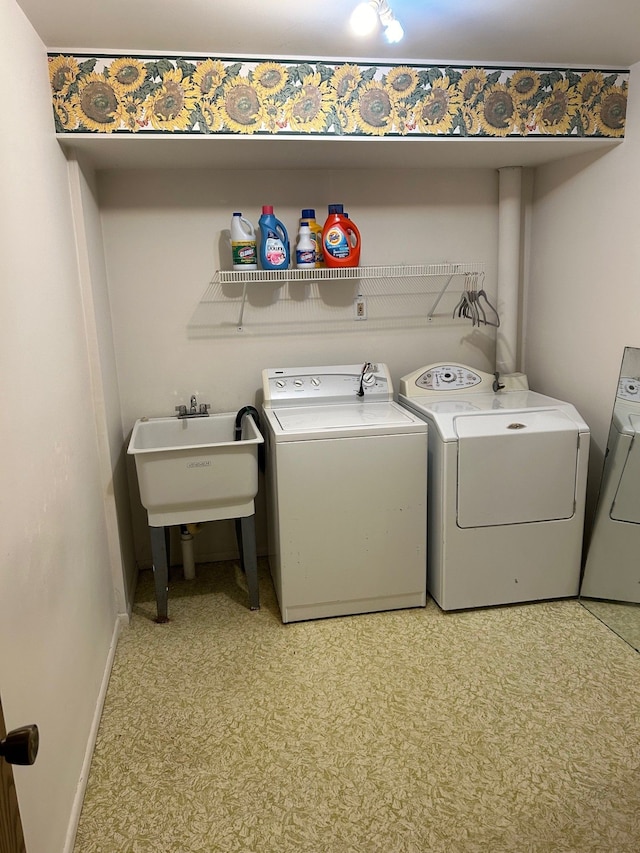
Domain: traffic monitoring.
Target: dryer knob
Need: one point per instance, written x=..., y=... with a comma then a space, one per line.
x=298, y=383
x=368, y=379
x=315, y=380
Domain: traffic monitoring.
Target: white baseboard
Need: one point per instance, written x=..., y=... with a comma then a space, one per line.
x=74, y=819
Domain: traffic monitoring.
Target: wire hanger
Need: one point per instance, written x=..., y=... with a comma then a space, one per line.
x=470, y=305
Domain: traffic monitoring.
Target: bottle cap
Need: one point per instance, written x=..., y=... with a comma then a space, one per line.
x=336, y=208
x=308, y=213
x=237, y=214
x=267, y=208
x=304, y=224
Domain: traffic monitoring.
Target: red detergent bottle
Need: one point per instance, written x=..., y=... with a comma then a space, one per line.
x=340, y=239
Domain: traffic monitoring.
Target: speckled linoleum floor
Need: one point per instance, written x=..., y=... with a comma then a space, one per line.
x=506, y=729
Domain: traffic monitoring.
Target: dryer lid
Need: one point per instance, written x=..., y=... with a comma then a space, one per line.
x=507, y=423
x=626, y=504
x=516, y=467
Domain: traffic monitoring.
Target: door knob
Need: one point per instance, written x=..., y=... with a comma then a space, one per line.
x=21, y=745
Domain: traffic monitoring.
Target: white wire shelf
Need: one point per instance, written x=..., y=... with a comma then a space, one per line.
x=341, y=273
x=294, y=301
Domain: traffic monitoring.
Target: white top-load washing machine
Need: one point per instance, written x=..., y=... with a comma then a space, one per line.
x=615, y=537
x=347, y=491
x=507, y=481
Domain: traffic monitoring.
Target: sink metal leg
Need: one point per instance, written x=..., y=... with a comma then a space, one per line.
x=246, y=536
x=160, y=555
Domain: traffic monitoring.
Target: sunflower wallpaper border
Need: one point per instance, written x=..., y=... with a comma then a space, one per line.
x=132, y=94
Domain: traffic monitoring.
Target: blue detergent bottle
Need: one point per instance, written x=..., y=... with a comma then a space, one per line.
x=274, y=242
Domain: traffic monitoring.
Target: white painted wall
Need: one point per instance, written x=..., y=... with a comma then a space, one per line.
x=57, y=610
x=105, y=397
x=583, y=296
x=162, y=243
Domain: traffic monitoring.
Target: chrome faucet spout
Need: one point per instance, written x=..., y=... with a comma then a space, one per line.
x=194, y=410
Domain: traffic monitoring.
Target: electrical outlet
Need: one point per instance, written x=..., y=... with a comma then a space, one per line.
x=360, y=308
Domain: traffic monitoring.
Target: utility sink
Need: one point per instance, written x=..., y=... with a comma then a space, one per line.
x=191, y=469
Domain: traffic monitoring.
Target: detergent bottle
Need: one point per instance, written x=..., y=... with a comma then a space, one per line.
x=274, y=242
x=340, y=239
x=243, y=243
x=306, y=247
x=309, y=215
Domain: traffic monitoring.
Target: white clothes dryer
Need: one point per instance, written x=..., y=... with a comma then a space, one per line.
x=507, y=482
x=347, y=491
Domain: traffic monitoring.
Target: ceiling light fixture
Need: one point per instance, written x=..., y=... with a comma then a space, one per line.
x=366, y=15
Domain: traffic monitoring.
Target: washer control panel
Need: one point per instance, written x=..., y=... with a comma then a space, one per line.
x=629, y=389
x=443, y=378
x=301, y=386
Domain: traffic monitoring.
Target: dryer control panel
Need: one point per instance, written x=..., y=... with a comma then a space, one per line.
x=440, y=378
x=443, y=378
x=629, y=389
x=302, y=386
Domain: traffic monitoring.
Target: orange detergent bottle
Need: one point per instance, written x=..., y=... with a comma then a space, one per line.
x=340, y=239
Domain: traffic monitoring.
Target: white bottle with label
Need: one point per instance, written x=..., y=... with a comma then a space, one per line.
x=243, y=244
x=305, y=248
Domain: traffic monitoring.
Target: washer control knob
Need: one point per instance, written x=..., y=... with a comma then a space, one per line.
x=298, y=383
x=280, y=383
x=368, y=379
x=315, y=380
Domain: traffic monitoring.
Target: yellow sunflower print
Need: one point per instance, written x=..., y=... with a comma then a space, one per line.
x=588, y=120
x=345, y=81
x=97, y=103
x=436, y=112
x=374, y=109
x=132, y=112
x=63, y=71
x=208, y=76
x=471, y=84
x=401, y=82
x=403, y=119
x=556, y=113
x=270, y=78
x=273, y=115
x=590, y=86
x=611, y=112
x=471, y=120
x=212, y=115
x=524, y=85
x=65, y=114
x=171, y=106
x=346, y=118
x=129, y=73
x=497, y=112
x=240, y=106
x=308, y=109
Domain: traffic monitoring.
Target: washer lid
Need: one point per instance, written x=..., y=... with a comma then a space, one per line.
x=342, y=420
x=516, y=467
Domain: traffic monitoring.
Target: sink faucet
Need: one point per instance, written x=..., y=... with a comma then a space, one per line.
x=195, y=410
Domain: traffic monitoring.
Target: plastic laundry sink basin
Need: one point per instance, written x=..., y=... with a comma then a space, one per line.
x=191, y=469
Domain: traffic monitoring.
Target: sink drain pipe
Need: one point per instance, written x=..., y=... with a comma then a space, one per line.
x=186, y=542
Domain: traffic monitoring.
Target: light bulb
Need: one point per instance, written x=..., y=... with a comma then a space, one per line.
x=394, y=32
x=364, y=19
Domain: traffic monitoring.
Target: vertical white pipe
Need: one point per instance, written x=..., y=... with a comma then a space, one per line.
x=509, y=228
